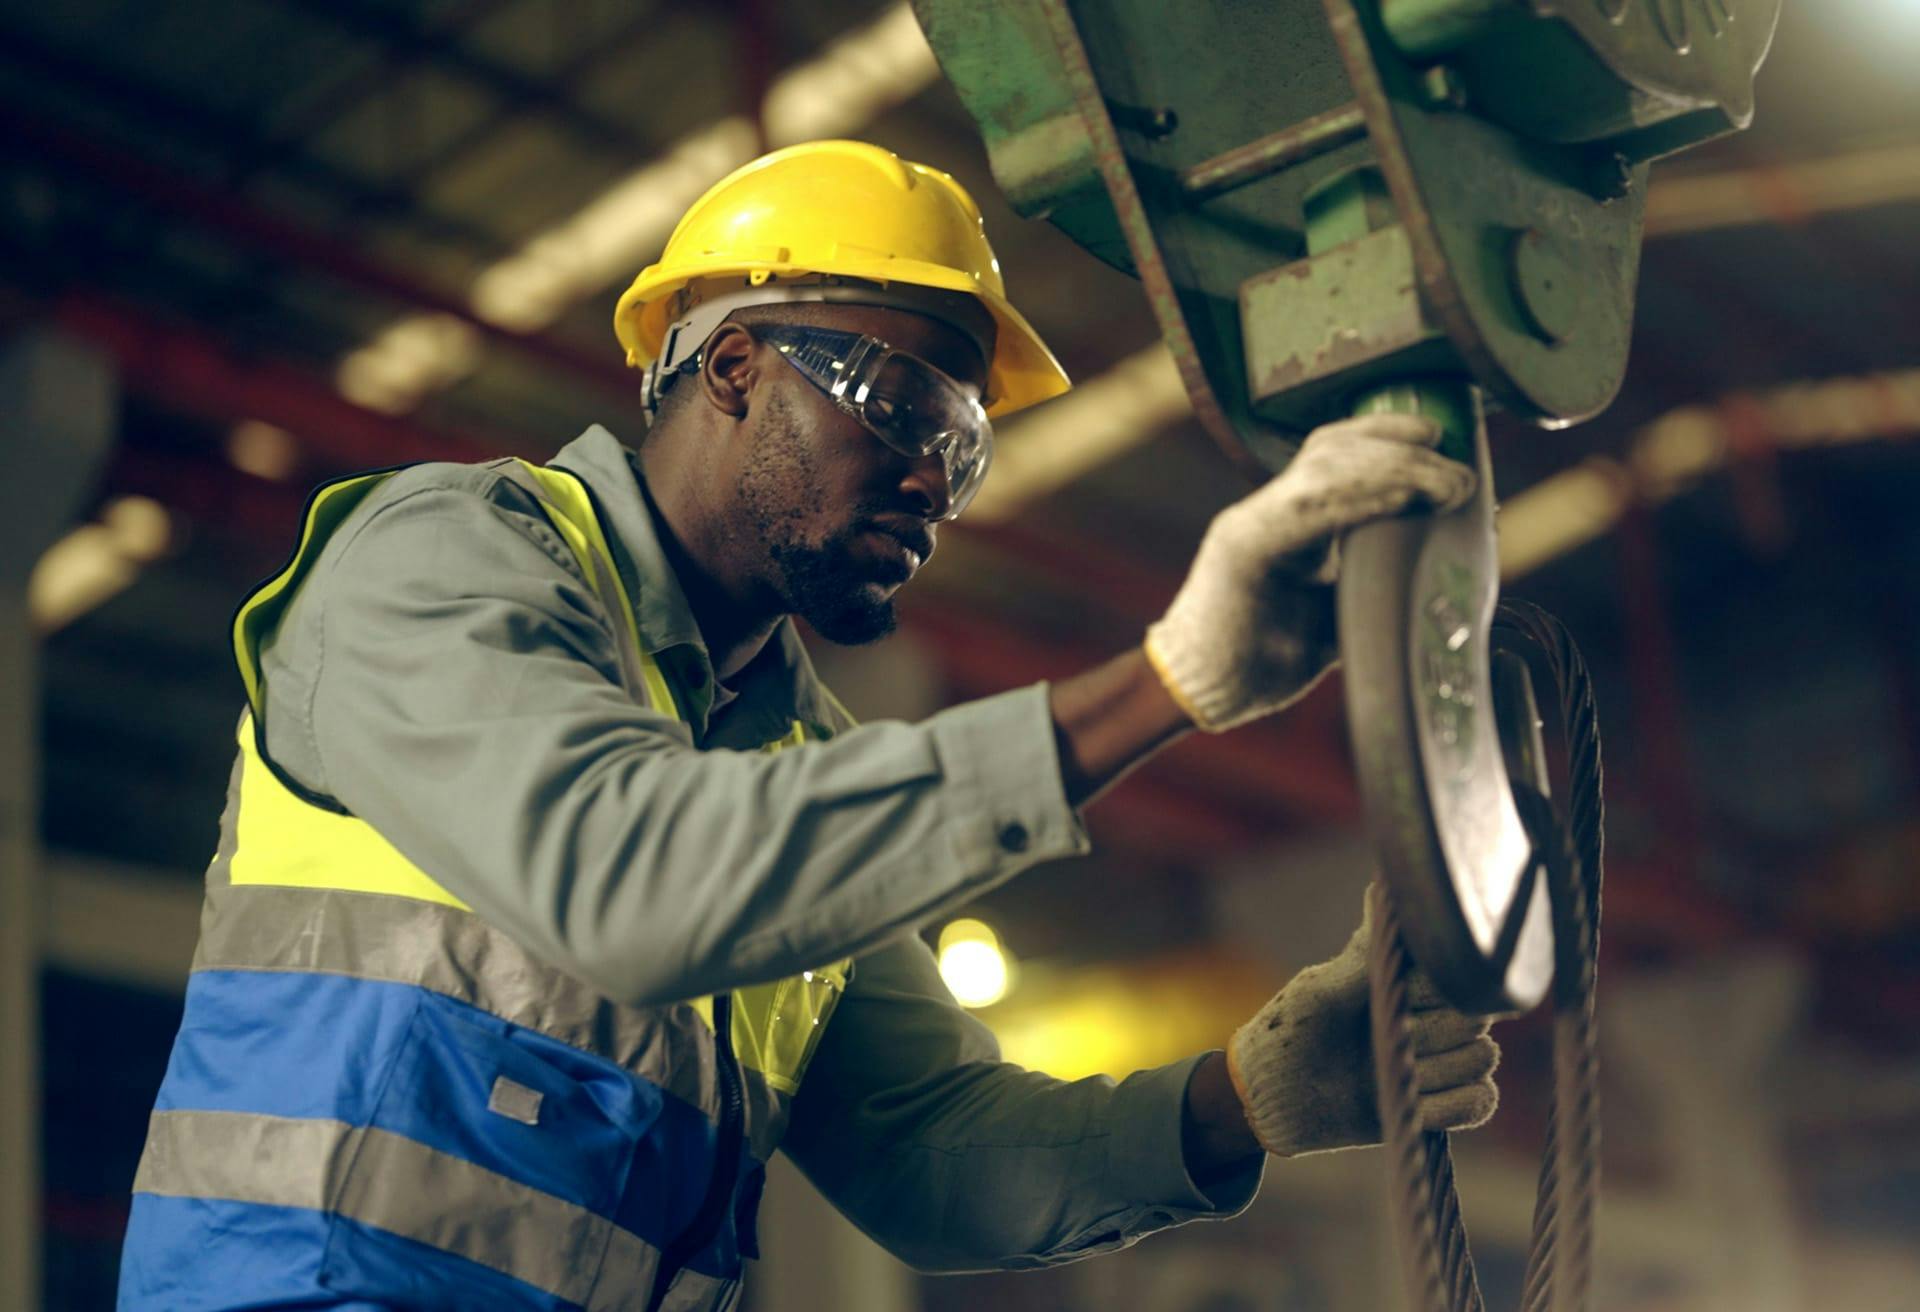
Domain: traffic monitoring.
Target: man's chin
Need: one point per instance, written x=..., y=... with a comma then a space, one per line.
x=856, y=620
x=841, y=597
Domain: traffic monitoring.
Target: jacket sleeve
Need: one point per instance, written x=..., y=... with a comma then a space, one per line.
x=447, y=675
x=954, y=1160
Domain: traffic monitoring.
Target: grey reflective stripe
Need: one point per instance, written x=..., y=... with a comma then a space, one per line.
x=403, y=940
x=693, y=1292
x=605, y=584
x=271, y=1160
x=401, y=1186
x=626, y=1277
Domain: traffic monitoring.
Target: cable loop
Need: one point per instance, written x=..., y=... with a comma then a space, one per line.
x=1436, y=1262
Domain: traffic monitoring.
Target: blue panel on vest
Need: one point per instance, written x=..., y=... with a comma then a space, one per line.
x=594, y=1124
x=738, y=1236
x=367, y=1052
x=285, y=1043
x=200, y=1255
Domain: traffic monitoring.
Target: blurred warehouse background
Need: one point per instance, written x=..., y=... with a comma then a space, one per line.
x=248, y=245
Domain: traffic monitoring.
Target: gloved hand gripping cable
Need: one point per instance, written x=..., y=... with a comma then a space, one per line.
x=1252, y=628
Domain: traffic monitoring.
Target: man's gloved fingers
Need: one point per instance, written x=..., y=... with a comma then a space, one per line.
x=1382, y=478
x=1470, y=1063
x=1466, y=1107
x=1414, y=430
x=1445, y=1029
x=1444, y=482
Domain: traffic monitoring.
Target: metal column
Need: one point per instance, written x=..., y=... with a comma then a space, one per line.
x=57, y=414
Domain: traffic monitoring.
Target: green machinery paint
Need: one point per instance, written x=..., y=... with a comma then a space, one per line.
x=1339, y=205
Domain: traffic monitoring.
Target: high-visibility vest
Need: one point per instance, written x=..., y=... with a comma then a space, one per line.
x=378, y=1099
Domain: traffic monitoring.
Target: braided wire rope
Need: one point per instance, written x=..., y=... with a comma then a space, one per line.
x=1437, y=1269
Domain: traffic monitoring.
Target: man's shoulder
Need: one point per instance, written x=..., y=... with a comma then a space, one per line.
x=484, y=480
x=480, y=495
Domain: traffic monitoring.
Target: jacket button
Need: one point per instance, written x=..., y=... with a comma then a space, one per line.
x=1014, y=837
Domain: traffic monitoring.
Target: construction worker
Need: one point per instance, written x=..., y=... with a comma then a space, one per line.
x=554, y=892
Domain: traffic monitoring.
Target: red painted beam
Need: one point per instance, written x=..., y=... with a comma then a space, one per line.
x=189, y=372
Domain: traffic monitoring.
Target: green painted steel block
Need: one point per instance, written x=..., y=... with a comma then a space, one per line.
x=1004, y=66
x=1320, y=329
x=1511, y=137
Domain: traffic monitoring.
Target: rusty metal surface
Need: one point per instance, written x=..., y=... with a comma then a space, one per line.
x=1348, y=318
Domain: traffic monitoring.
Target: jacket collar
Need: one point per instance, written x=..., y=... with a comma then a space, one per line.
x=776, y=688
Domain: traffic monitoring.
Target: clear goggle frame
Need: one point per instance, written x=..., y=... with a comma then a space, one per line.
x=913, y=407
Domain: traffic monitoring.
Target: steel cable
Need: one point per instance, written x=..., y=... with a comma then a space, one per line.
x=1436, y=1261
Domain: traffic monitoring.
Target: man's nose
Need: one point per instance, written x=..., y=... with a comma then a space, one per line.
x=927, y=487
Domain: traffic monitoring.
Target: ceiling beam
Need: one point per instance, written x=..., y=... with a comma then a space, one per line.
x=221, y=136
x=418, y=41
x=191, y=373
x=285, y=240
x=349, y=93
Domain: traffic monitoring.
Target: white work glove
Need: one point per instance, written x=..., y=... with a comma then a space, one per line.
x=1303, y=1066
x=1253, y=626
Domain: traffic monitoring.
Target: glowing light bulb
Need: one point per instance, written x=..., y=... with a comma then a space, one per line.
x=973, y=964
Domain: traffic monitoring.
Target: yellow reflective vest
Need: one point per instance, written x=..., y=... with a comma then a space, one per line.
x=378, y=1099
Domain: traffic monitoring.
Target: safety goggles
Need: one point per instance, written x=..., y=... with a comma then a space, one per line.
x=901, y=399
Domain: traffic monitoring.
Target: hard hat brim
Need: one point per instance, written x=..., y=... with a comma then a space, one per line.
x=1023, y=371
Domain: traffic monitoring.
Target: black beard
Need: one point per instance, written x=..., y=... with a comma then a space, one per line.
x=823, y=584
x=823, y=587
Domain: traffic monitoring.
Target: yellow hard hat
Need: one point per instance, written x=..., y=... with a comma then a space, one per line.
x=846, y=209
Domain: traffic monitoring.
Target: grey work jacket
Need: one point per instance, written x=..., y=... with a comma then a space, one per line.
x=452, y=680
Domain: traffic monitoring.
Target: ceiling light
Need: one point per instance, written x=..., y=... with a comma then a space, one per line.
x=973, y=964
x=263, y=450
x=97, y=561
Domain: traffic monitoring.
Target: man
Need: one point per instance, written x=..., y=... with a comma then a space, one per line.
x=554, y=893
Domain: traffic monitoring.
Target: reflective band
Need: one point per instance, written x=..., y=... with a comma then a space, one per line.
x=692, y=1291
x=246, y=1158
x=388, y=1182
x=626, y=1276
x=403, y=941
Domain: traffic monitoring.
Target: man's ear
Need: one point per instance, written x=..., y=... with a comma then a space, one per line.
x=726, y=370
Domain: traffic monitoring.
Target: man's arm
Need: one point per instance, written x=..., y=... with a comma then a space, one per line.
x=1109, y=719
x=447, y=676
x=1252, y=628
x=954, y=1160
x=1215, y=1136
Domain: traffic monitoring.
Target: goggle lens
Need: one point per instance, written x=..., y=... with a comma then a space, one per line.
x=917, y=410
x=901, y=399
